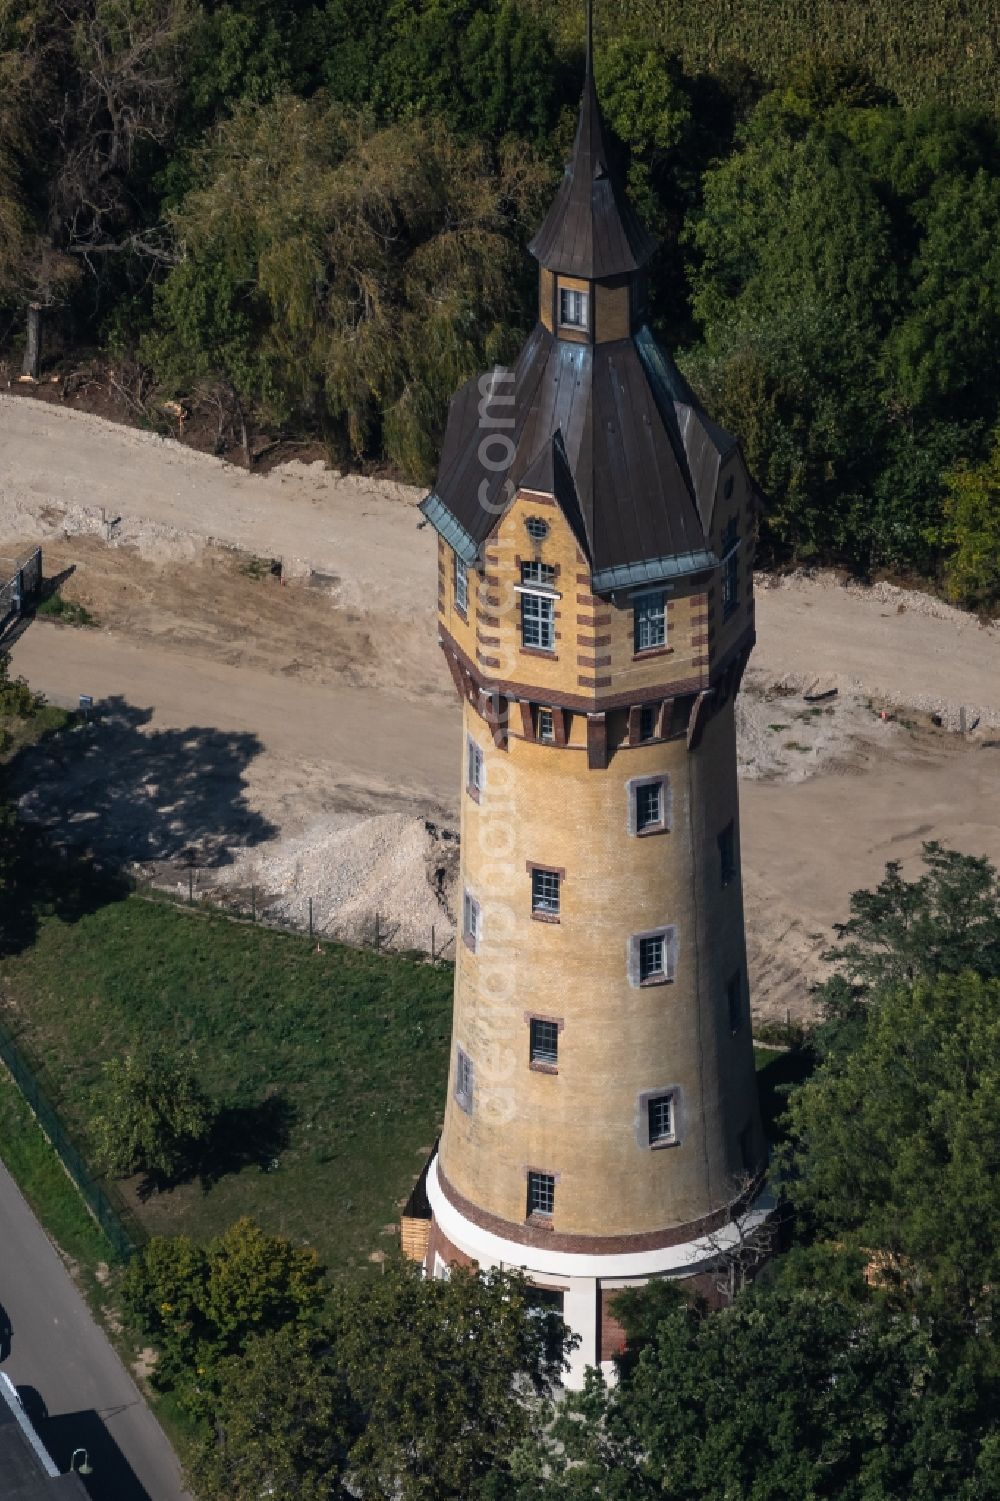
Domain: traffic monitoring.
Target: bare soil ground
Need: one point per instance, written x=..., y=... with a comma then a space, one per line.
x=301, y=737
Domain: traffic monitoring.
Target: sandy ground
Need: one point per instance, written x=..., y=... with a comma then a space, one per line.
x=301, y=738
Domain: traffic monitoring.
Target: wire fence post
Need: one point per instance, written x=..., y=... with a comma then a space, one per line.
x=191, y=886
x=253, y=902
x=433, y=945
x=310, y=917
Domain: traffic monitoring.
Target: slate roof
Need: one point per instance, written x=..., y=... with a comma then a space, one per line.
x=591, y=229
x=611, y=429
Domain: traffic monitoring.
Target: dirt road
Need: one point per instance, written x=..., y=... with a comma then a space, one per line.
x=249, y=715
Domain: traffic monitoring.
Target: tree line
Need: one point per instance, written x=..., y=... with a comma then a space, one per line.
x=860, y=1365
x=310, y=218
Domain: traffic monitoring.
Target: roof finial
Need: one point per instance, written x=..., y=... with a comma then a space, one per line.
x=590, y=38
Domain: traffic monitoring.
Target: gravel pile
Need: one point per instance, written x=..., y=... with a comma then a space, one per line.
x=400, y=868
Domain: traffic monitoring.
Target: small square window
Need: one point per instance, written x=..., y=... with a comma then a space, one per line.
x=544, y=1041
x=647, y=721
x=471, y=922
x=649, y=806
x=653, y=958
x=546, y=725
x=734, y=1001
x=464, y=1080
x=476, y=768
x=545, y=892
x=541, y=1194
x=727, y=854
x=650, y=621
x=661, y=1119
x=574, y=308
x=461, y=586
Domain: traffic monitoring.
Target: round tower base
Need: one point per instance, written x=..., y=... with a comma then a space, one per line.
x=584, y=1286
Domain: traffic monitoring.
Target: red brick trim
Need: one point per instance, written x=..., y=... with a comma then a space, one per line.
x=741, y=648
x=652, y=651
x=524, y=1233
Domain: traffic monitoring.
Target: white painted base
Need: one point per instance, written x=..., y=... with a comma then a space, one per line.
x=580, y=1276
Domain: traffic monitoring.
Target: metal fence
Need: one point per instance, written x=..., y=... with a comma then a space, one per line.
x=124, y=1235
x=22, y=585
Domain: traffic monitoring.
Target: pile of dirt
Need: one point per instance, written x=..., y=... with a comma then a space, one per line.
x=393, y=870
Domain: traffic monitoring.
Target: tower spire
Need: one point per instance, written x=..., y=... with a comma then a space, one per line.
x=590, y=39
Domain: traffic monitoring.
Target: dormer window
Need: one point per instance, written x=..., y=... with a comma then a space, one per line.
x=574, y=308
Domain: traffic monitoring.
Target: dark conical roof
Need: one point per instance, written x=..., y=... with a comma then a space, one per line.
x=591, y=230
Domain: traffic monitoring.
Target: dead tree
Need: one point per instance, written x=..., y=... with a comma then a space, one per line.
x=742, y=1255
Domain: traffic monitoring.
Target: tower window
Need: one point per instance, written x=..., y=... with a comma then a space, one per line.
x=464, y=1080
x=538, y=606
x=650, y=621
x=730, y=569
x=727, y=854
x=734, y=1001
x=574, y=308
x=649, y=807
x=652, y=958
x=461, y=586
x=544, y=893
x=537, y=528
x=647, y=721
x=476, y=769
x=472, y=922
x=544, y=1041
x=660, y=1116
x=538, y=624
x=546, y=725
x=541, y=1194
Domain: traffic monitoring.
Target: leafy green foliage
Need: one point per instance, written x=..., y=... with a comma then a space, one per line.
x=354, y=273
x=847, y=283
x=152, y=1115
x=971, y=532
x=201, y=1304
x=412, y=1389
x=791, y=1393
x=283, y=1421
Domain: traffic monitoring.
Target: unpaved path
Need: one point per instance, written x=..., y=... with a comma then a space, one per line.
x=251, y=715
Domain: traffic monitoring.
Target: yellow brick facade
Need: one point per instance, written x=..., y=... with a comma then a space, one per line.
x=550, y=805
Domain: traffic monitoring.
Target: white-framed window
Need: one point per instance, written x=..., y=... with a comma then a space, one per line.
x=660, y=1119
x=545, y=892
x=472, y=922
x=465, y=1080
x=461, y=585
x=734, y=1001
x=541, y=1194
x=538, y=606
x=543, y=1041
x=546, y=725
x=475, y=768
x=650, y=620
x=574, y=308
x=652, y=957
x=649, y=805
x=730, y=568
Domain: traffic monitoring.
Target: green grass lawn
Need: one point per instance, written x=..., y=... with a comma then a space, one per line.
x=352, y=1046
x=39, y=1174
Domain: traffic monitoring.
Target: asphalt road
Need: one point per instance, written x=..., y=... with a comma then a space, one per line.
x=71, y=1381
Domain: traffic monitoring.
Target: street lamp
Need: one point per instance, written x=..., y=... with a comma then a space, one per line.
x=86, y=1468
